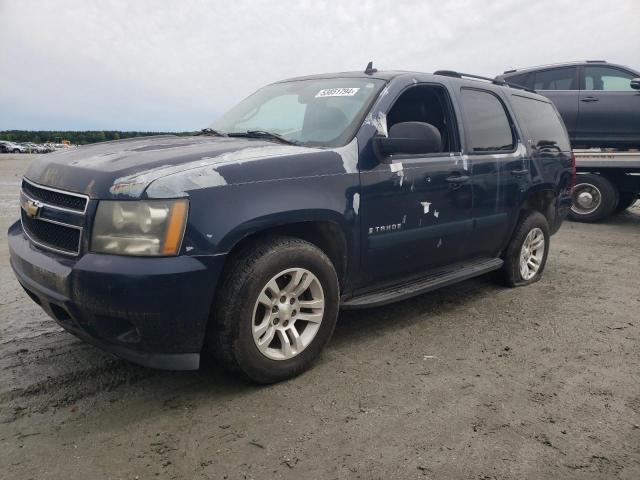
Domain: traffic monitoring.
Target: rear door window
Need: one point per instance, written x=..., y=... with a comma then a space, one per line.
x=542, y=122
x=555, y=79
x=487, y=125
x=607, y=78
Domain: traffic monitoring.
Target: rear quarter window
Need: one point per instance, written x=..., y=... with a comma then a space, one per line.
x=542, y=122
x=521, y=79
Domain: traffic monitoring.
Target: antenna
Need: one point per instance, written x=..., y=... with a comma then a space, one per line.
x=370, y=70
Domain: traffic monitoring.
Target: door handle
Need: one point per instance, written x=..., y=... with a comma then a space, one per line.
x=456, y=179
x=589, y=99
x=520, y=173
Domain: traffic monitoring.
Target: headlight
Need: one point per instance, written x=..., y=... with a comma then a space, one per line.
x=149, y=227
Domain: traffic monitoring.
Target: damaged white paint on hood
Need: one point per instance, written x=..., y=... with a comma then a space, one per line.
x=173, y=182
x=170, y=166
x=176, y=179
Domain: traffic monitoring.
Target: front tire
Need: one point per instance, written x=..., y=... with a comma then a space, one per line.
x=526, y=254
x=275, y=311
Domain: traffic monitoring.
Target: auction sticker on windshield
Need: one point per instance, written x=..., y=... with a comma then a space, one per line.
x=337, y=92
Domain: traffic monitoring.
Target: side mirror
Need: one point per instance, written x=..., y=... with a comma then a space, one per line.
x=408, y=138
x=635, y=83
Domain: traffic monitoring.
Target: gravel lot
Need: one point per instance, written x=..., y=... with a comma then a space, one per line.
x=474, y=381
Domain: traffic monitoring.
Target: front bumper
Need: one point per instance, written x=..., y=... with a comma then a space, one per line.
x=150, y=311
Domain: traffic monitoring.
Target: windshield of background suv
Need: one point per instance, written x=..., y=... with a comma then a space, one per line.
x=320, y=112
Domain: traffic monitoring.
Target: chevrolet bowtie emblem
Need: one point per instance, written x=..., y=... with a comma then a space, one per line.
x=32, y=208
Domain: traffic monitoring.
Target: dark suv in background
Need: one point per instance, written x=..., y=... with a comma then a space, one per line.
x=599, y=101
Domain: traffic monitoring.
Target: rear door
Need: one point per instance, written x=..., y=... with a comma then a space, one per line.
x=560, y=85
x=500, y=168
x=609, y=107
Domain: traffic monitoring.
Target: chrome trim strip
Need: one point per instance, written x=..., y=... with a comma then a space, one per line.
x=42, y=219
x=55, y=207
x=64, y=192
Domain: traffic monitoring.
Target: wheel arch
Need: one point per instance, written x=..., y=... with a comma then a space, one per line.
x=327, y=230
x=542, y=200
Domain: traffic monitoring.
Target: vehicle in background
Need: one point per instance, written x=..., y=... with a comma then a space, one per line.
x=11, y=147
x=598, y=101
x=600, y=105
x=30, y=147
x=607, y=182
x=343, y=190
x=34, y=148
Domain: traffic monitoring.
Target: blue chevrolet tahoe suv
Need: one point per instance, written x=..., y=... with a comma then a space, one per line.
x=312, y=194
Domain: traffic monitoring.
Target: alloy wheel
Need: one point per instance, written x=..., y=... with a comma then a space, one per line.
x=532, y=253
x=288, y=313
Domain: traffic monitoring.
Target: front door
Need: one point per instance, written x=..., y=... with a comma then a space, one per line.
x=416, y=211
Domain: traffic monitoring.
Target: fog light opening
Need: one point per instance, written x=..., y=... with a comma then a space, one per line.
x=116, y=329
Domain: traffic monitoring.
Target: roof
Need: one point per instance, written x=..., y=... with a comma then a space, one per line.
x=391, y=74
x=564, y=64
x=381, y=75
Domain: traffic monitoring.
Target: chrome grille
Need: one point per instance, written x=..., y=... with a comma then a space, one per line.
x=54, y=236
x=53, y=219
x=54, y=197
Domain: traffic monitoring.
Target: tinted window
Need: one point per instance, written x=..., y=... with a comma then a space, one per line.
x=487, y=122
x=555, y=79
x=606, y=78
x=520, y=79
x=542, y=122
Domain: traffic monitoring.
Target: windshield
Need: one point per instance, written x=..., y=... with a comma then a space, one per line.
x=320, y=112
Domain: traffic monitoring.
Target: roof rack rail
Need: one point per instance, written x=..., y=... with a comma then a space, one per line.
x=452, y=73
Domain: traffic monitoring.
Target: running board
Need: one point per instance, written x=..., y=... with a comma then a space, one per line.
x=436, y=279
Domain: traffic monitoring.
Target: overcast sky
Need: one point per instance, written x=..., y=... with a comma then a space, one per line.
x=177, y=65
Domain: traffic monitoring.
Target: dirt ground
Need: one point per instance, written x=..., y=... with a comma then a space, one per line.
x=474, y=381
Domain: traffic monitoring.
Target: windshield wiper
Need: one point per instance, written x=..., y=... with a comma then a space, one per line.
x=211, y=131
x=263, y=134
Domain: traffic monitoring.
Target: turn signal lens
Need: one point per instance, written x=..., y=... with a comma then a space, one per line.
x=175, y=229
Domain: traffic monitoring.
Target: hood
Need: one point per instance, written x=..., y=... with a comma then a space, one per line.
x=171, y=166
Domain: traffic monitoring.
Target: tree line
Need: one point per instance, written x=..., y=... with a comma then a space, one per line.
x=75, y=137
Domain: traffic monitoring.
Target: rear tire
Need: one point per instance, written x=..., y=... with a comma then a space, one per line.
x=594, y=198
x=526, y=254
x=254, y=331
x=626, y=200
